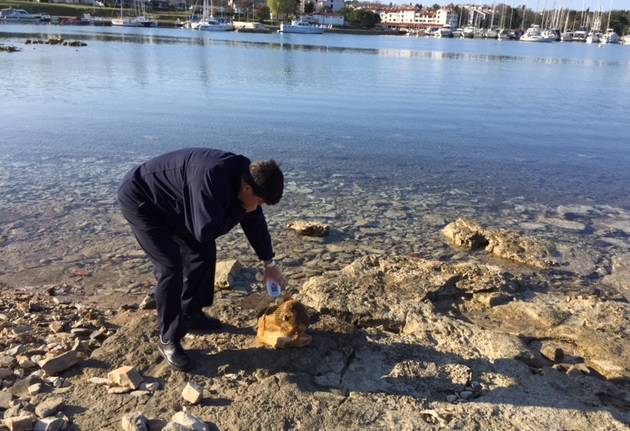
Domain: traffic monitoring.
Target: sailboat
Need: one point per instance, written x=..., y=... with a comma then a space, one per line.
x=208, y=22
x=139, y=20
x=610, y=36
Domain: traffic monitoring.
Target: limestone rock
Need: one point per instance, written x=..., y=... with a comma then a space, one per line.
x=100, y=381
x=7, y=361
x=49, y=407
x=5, y=399
x=21, y=387
x=148, y=303
x=19, y=423
x=609, y=369
x=25, y=362
x=35, y=389
x=192, y=393
x=126, y=377
x=189, y=422
x=310, y=228
x=384, y=290
x=620, y=276
x=465, y=233
x=50, y=424
x=60, y=363
x=518, y=248
x=135, y=421
x=492, y=298
x=5, y=372
x=226, y=272
x=502, y=243
x=552, y=352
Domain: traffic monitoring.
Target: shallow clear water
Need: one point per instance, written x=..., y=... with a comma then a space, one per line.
x=550, y=122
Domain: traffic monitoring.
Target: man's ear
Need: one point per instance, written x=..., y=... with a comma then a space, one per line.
x=245, y=187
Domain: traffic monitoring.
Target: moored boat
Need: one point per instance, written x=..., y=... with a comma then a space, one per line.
x=135, y=21
x=301, y=27
x=139, y=20
x=444, y=32
x=534, y=34
x=504, y=34
x=567, y=36
x=208, y=22
x=470, y=32
x=491, y=33
x=580, y=35
x=610, y=36
x=19, y=16
x=594, y=37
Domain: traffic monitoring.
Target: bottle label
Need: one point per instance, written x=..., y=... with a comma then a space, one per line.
x=273, y=288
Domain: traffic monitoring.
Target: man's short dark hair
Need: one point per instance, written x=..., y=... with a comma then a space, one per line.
x=267, y=180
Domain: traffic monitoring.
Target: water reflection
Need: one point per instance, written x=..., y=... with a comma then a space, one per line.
x=203, y=39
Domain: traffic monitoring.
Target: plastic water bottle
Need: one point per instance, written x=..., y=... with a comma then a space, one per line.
x=273, y=289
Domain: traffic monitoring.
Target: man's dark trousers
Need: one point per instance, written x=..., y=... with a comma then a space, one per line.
x=184, y=268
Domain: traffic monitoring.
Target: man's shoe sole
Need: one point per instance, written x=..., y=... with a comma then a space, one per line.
x=172, y=364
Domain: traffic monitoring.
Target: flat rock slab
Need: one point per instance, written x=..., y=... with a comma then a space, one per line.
x=49, y=407
x=384, y=290
x=58, y=364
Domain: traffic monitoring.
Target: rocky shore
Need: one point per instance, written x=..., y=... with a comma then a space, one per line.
x=427, y=309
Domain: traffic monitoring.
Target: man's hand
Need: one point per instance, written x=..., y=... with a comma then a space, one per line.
x=272, y=272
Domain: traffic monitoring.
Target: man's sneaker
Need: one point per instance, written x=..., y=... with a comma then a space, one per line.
x=199, y=321
x=174, y=354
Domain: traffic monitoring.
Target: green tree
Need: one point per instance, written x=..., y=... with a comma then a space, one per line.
x=281, y=8
x=361, y=17
x=309, y=7
x=262, y=12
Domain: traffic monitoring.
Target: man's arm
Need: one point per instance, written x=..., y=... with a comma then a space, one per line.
x=255, y=227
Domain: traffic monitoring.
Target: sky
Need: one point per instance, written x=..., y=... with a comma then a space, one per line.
x=536, y=4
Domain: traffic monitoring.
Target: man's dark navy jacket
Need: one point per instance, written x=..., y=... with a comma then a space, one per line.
x=195, y=192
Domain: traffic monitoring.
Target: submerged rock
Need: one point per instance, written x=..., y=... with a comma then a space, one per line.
x=310, y=228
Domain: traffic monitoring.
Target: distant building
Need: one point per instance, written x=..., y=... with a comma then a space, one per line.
x=326, y=19
x=323, y=5
x=416, y=17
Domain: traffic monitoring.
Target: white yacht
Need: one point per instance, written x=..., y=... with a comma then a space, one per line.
x=534, y=34
x=445, y=31
x=458, y=32
x=504, y=34
x=18, y=15
x=594, y=37
x=626, y=39
x=134, y=21
x=567, y=36
x=580, y=35
x=138, y=20
x=610, y=36
x=471, y=32
x=302, y=27
x=491, y=33
x=208, y=22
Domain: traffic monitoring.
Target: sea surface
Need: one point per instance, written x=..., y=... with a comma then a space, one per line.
x=548, y=120
x=478, y=122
